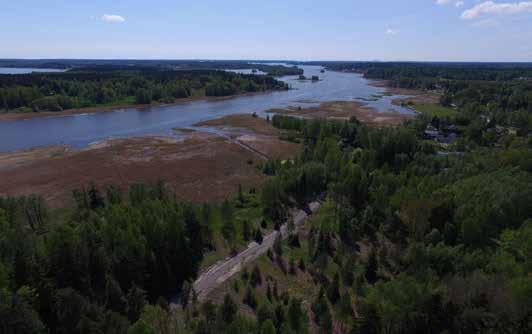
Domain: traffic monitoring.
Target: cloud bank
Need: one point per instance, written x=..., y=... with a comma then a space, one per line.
x=493, y=8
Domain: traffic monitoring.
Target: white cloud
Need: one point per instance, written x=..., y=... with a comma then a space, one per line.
x=490, y=7
x=446, y=2
x=111, y=18
x=390, y=31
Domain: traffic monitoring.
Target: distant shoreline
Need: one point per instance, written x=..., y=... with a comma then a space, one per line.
x=20, y=116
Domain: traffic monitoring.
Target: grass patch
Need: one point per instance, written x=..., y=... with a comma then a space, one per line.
x=435, y=110
x=124, y=101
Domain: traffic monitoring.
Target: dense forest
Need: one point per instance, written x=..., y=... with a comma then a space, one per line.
x=111, y=85
x=412, y=237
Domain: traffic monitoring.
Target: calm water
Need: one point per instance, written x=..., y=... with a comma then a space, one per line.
x=81, y=130
x=17, y=70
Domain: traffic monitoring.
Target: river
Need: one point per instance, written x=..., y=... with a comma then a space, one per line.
x=26, y=70
x=83, y=129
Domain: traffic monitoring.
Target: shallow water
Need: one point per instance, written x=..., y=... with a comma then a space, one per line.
x=81, y=130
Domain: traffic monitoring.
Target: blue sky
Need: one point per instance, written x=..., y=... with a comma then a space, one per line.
x=468, y=30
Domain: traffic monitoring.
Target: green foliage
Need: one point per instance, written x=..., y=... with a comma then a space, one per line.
x=103, y=266
x=112, y=85
x=486, y=208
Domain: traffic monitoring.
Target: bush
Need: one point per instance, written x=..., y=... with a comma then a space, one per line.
x=143, y=96
x=52, y=103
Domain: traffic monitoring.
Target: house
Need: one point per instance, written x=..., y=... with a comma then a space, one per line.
x=448, y=136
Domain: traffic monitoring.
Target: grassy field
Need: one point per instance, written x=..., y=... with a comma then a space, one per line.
x=435, y=110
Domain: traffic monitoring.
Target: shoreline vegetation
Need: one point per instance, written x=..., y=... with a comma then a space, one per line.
x=109, y=87
x=15, y=116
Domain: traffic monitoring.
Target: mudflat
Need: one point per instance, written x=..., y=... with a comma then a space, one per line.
x=347, y=109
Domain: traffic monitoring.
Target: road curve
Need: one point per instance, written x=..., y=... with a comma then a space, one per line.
x=222, y=271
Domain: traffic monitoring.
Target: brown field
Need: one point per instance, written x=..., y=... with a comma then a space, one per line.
x=348, y=109
x=256, y=133
x=199, y=168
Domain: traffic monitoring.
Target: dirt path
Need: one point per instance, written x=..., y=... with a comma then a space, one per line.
x=222, y=271
x=245, y=146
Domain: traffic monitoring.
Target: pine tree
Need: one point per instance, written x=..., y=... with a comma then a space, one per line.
x=246, y=230
x=228, y=225
x=333, y=291
x=278, y=246
x=371, y=268
x=292, y=267
x=228, y=309
x=301, y=265
x=240, y=195
x=258, y=236
x=256, y=277
x=269, y=293
x=250, y=299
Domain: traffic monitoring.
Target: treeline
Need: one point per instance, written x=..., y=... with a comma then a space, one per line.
x=107, y=85
x=273, y=70
x=450, y=71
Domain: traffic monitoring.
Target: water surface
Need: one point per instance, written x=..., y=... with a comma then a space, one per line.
x=26, y=70
x=81, y=130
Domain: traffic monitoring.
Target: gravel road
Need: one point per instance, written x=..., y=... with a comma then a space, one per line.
x=222, y=271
